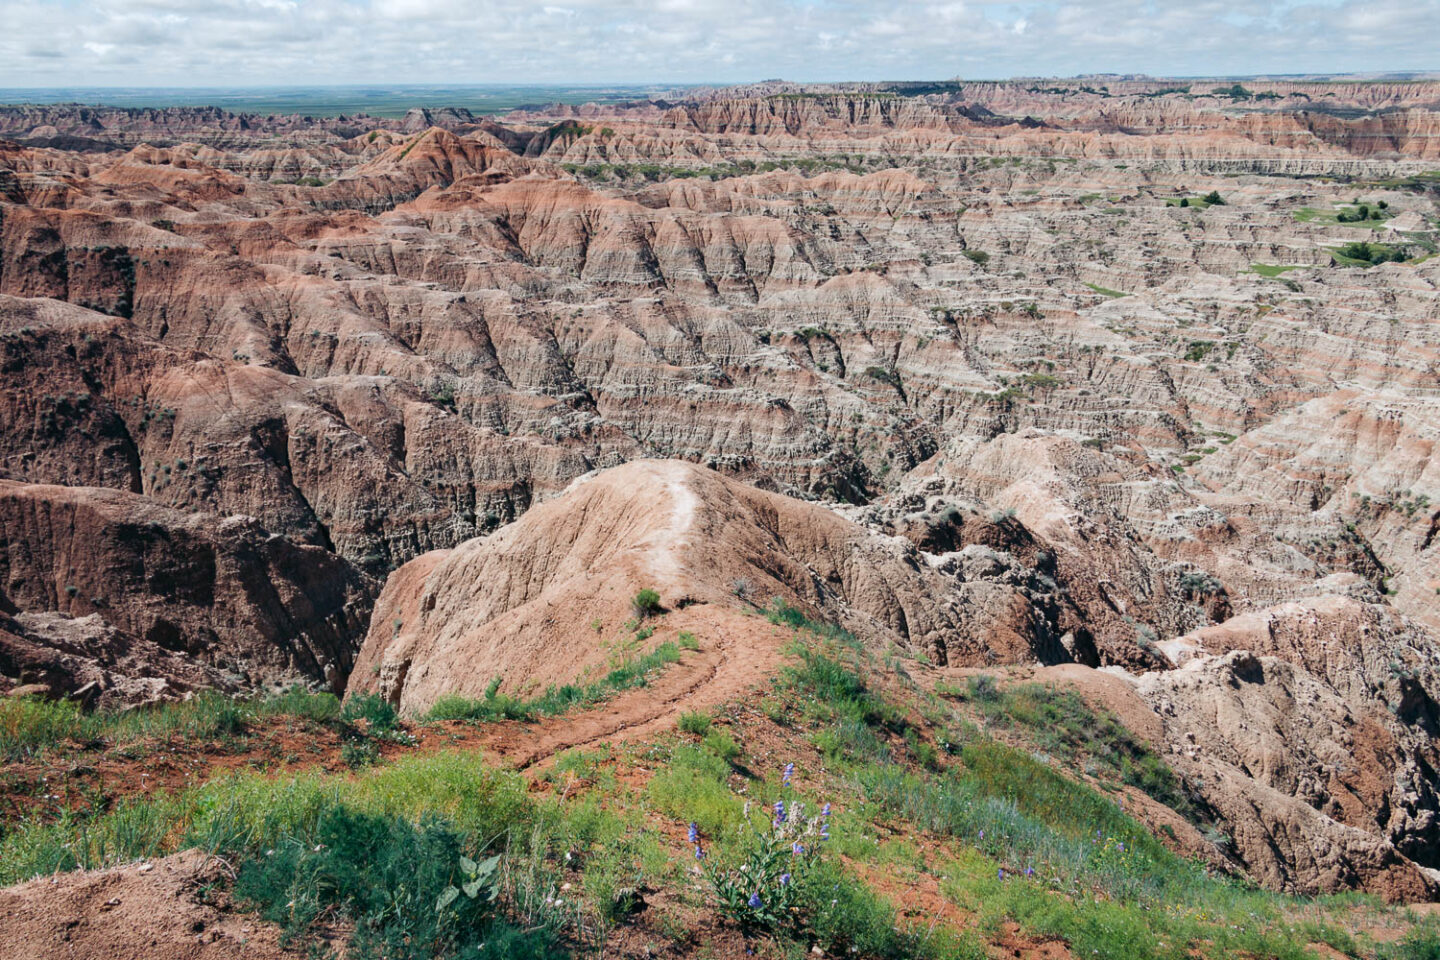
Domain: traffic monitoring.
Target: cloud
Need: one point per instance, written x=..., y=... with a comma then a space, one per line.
x=235, y=42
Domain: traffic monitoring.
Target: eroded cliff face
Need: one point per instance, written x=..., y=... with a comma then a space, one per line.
x=952, y=367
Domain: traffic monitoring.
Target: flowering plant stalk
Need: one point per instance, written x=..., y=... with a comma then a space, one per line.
x=762, y=890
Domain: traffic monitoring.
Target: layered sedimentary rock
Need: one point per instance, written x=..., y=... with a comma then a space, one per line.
x=110, y=591
x=950, y=364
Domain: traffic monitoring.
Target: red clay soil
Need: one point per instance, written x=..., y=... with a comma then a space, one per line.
x=148, y=911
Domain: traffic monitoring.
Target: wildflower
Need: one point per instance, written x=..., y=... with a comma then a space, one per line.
x=694, y=833
x=1029, y=871
x=1002, y=873
x=824, y=831
x=825, y=810
x=784, y=879
x=789, y=772
x=699, y=853
x=755, y=903
x=779, y=811
x=982, y=834
x=797, y=849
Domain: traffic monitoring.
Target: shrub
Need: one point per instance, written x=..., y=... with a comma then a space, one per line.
x=722, y=745
x=393, y=879
x=358, y=753
x=379, y=716
x=696, y=722
x=646, y=603
x=982, y=689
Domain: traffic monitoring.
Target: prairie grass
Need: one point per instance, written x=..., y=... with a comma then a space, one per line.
x=1060, y=722
x=29, y=727
x=494, y=705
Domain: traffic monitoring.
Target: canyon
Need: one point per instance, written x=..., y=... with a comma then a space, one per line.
x=1086, y=375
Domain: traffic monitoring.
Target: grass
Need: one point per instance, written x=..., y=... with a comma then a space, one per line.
x=694, y=721
x=30, y=727
x=1273, y=270
x=629, y=674
x=1332, y=216
x=1101, y=881
x=962, y=794
x=1060, y=722
x=1106, y=291
x=252, y=811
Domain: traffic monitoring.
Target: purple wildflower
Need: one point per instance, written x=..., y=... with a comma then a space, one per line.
x=789, y=772
x=779, y=811
x=784, y=879
x=694, y=833
x=699, y=852
x=797, y=849
x=1029, y=871
x=825, y=831
x=825, y=810
x=1002, y=873
x=755, y=903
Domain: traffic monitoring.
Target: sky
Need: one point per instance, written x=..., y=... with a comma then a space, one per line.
x=47, y=43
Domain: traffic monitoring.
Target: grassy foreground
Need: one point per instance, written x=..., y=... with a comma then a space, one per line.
x=847, y=812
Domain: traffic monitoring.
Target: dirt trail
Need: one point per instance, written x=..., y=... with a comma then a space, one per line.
x=738, y=655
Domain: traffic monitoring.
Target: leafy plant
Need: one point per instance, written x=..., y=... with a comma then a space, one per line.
x=646, y=603
x=477, y=883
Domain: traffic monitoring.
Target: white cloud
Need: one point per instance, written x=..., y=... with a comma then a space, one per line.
x=233, y=42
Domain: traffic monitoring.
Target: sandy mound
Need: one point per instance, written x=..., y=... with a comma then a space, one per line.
x=151, y=911
x=540, y=600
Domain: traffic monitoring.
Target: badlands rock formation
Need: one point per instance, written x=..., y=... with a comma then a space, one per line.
x=947, y=363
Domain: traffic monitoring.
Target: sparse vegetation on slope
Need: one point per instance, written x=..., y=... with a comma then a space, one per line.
x=885, y=789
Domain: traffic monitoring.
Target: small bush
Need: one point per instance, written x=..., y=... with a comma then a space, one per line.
x=982, y=689
x=722, y=745
x=385, y=874
x=359, y=753
x=693, y=721
x=646, y=603
x=379, y=716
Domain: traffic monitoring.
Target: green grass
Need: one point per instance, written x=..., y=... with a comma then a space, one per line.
x=1101, y=881
x=694, y=788
x=694, y=721
x=920, y=785
x=30, y=727
x=1274, y=270
x=1060, y=723
x=629, y=674
x=1332, y=216
x=254, y=811
x=1106, y=291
